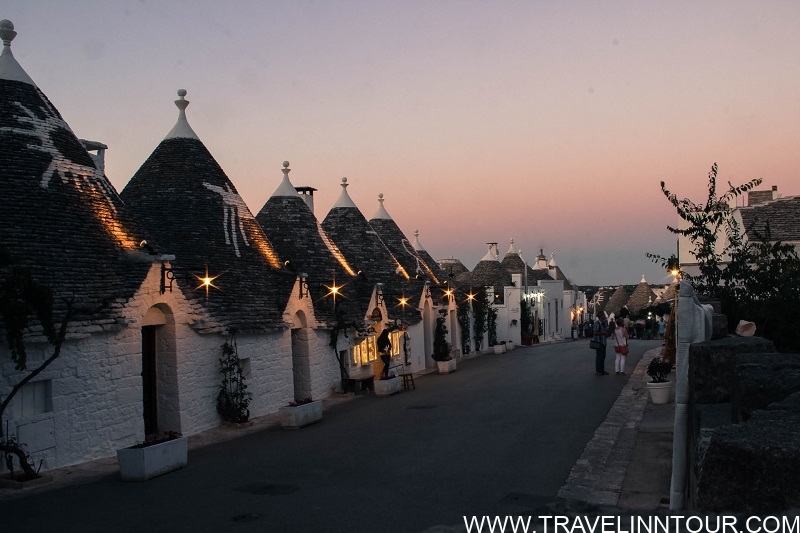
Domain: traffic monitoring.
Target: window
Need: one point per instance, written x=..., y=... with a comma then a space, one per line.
x=365, y=352
x=396, y=338
x=32, y=399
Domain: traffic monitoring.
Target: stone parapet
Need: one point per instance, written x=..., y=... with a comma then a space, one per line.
x=712, y=365
x=763, y=379
x=752, y=467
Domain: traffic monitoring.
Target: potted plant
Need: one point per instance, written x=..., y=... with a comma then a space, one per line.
x=158, y=454
x=233, y=400
x=441, y=350
x=659, y=386
x=500, y=347
x=300, y=413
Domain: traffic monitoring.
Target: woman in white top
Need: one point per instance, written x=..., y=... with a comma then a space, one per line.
x=621, y=347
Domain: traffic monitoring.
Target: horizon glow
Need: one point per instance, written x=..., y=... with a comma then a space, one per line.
x=549, y=123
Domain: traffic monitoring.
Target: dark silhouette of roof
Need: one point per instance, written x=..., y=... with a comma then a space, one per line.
x=60, y=217
x=452, y=267
x=299, y=239
x=401, y=248
x=641, y=296
x=430, y=263
x=367, y=253
x=600, y=300
x=782, y=214
x=514, y=264
x=670, y=294
x=489, y=272
x=616, y=301
x=184, y=198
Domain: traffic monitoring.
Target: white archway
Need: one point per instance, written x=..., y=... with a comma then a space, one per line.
x=160, y=393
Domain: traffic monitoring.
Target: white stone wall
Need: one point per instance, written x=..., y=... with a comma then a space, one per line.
x=416, y=346
x=97, y=385
x=325, y=375
x=552, y=305
x=269, y=381
x=90, y=407
x=509, y=311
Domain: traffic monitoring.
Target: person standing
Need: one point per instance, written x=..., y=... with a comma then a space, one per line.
x=385, y=349
x=601, y=332
x=621, y=347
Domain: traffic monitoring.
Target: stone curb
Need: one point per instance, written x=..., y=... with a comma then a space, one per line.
x=597, y=476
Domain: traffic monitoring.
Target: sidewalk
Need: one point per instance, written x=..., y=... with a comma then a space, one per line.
x=628, y=462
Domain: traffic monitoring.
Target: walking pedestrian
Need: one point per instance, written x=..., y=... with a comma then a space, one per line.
x=621, y=347
x=601, y=332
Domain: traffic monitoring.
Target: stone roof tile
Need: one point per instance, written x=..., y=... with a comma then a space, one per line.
x=60, y=217
x=184, y=198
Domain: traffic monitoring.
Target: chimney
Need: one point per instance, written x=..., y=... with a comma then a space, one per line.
x=307, y=194
x=100, y=157
x=762, y=197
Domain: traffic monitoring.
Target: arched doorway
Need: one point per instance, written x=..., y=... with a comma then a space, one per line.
x=160, y=396
x=301, y=357
x=455, y=337
x=427, y=328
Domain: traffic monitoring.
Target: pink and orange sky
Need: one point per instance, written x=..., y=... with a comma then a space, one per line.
x=549, y=122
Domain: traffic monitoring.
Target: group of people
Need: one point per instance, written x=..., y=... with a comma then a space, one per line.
x=605, y=332
x=649, y=328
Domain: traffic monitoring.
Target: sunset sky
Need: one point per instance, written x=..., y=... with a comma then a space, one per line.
x=551, y=122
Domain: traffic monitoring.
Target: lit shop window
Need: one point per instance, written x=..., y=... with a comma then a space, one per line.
x=396, y=338
x=33, y=398
x=365, y=352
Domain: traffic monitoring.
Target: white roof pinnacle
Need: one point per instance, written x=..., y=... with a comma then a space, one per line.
x=285, y=188
x=381, y=212
x=417, y=245
x=182, y=129
x=511, y=248
x=643, y=280
x=9, y=68
x=552, y=263
x=344, y=198
x=491, y=255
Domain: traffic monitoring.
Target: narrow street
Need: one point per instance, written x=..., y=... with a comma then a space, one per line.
x=497, y=437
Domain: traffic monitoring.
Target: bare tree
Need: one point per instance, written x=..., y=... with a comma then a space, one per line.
x=21, y=298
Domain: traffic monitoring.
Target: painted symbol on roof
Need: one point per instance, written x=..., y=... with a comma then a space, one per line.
x=66, y=169
x=232, y=206
x=406, y=246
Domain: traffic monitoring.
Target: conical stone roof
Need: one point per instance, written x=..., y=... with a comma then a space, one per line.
x=452, y=266
x=669, y=294
x=513, y=263
x=600, y=300
x=616, y=301
x=60, y=217
x=186, y=201
x=366, y=252
x=401, y=248
x=430, y=263
x=300, y=239
x=640, y=297
x=489, y=272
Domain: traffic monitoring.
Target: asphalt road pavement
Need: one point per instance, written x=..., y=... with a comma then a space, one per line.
x=497, y=437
